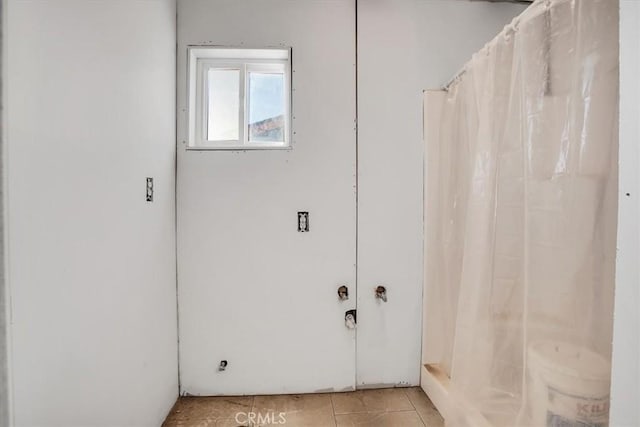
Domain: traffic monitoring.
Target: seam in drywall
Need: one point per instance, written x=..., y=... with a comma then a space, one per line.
x=357, y=189
x=424, y=227
x=175, y=202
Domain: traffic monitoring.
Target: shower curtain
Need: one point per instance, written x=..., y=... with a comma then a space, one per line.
x=524, y=220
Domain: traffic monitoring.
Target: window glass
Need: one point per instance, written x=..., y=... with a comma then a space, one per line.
x=223, y=106
x=266, y=107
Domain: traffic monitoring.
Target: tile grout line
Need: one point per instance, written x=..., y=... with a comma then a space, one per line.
x=383, y=413
x=414, y=407
x=404, y=390
x=333, y=410
x=380, y=412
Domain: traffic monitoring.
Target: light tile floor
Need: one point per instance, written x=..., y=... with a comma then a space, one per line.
x=392, y=407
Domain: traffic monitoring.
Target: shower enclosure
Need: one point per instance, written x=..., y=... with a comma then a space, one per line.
x=521, y=203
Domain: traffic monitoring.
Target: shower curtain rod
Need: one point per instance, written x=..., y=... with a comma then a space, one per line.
x=453, y=79
x=509, y=29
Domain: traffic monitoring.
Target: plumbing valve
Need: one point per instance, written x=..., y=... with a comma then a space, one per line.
x=381, y=293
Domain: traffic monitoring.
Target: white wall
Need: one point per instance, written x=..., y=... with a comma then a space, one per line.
x=404, y=47
x=625, y=381
x=4, y=318
x=252, y=289
x=91, y=95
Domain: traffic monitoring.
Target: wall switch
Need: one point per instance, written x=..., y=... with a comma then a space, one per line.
x=149, y=189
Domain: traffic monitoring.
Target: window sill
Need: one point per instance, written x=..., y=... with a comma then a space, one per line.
x=240, y=148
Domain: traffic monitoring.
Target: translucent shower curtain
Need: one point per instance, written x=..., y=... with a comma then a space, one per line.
x=525, y=219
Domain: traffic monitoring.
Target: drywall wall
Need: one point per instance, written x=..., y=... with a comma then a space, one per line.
x=252, y=290
x=404, y=47
x=4, y=318
x=625, y=376
x=91, y=113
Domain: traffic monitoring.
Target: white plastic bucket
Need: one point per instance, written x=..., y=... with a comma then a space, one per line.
x=568, y=386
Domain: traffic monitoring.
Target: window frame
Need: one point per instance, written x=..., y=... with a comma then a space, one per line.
x=204, y=58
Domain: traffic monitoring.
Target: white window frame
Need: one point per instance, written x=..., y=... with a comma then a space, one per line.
x=201, y=60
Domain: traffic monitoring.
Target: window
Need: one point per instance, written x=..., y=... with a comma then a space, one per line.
x=239, y=98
